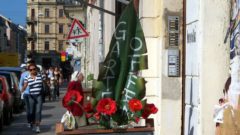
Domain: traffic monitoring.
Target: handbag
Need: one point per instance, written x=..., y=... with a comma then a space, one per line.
x=68, y=121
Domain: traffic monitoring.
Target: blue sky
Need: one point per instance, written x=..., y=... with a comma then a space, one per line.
x=16, y=10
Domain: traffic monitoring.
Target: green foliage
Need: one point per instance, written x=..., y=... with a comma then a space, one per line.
x=90, y=77
x=105, y=121
x=120, y=117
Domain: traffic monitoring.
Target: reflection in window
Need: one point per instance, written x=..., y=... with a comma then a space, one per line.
x=46, y=28
x=60, y=29
x=60, y=12
x=47, y=12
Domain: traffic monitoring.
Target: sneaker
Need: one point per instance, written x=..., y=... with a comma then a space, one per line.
x=37, y=129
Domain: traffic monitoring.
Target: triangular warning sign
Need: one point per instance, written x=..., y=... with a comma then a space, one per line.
x=77, y=30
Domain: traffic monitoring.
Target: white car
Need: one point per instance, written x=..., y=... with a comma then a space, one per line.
x=24, y=65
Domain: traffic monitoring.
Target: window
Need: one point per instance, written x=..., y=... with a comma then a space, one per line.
x=60, y=28
x=32, y=46
x=60, y=45
x=32, y=13
x=32, y=29
x=60, y=12
x=46, y=45
x=46, y=12
x=46, y=28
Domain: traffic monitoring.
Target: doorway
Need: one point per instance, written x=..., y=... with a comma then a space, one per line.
x=46, y=62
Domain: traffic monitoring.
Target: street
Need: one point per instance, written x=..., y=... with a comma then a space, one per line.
x=51, y=113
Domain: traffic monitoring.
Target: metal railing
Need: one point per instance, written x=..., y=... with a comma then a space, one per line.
x=32, y=36
x=31, y=19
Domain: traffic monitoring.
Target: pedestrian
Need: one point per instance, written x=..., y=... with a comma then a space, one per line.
x=45, y=89
x=35, y=83
x=58, y=78
x=52, y=84
x=25, y=94
x=76, y=108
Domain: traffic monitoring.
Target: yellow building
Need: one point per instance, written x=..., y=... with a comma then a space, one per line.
x=47, y=28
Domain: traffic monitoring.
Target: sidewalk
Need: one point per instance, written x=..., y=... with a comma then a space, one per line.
x=52, y=113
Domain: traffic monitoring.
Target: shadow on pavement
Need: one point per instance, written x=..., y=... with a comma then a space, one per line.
x=48, y=107
x=45, y=116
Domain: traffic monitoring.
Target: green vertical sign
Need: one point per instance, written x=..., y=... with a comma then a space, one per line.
x=118, y=77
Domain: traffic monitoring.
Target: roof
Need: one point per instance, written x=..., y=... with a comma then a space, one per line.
x=13, y=26
x=2, y=22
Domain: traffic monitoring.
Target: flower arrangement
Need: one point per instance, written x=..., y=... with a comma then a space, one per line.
x=108, y=114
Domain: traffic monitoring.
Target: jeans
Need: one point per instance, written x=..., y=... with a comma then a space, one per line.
x=35, y=102
x=56, y=91
x=26, y=101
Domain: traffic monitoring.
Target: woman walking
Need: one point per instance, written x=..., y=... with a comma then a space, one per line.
x=35, y=83
x=58, y=79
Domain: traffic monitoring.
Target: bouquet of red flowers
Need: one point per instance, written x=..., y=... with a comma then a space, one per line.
x=108, y=114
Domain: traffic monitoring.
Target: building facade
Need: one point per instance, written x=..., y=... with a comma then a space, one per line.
x=3, y=36
x=47, y=28
x=12, y=38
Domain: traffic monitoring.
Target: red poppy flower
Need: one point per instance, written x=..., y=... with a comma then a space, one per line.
x=88, y=107
x=149, y=109
x=106, y=106
x=97, y=116
x=71, y=101
x=73, y=96
x=135, y=105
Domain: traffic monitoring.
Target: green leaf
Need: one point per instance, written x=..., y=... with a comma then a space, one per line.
x=90, y=77
x=120, y=117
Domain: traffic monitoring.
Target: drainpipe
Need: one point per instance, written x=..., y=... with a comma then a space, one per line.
x=183, y=65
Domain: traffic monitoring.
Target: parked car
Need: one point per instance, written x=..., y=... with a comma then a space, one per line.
x=8, y=99
x=1, y=106
x=38, y=66
x=17, y=70
x=14, y=89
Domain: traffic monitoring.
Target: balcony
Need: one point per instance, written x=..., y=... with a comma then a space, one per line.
x=31, y=20
x=32, y=36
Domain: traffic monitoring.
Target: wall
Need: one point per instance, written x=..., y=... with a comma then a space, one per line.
x=97, y=47
x=161, y=89
x=108, y=25
x=214, y=61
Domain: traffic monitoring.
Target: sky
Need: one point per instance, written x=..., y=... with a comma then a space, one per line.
x=15, y=10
